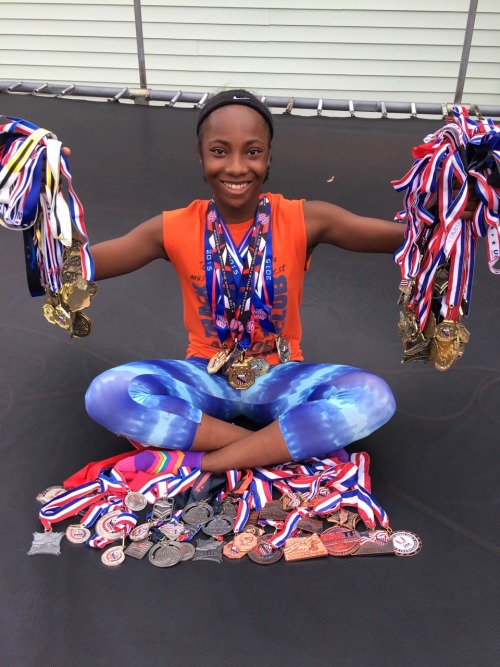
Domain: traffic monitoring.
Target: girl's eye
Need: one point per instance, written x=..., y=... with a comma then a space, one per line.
x=217, y=151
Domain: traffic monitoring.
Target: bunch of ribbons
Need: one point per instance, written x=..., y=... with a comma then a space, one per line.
x=314, y=488
x=33, y=170
x=437, y=257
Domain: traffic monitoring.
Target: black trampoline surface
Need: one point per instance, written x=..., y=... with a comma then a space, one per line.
x=434, y=469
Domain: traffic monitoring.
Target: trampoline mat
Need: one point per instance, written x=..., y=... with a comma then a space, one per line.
x=434, y=466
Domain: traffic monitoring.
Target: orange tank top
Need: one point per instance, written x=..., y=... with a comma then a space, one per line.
x=184, y=240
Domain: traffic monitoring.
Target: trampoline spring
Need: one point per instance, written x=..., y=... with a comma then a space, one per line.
x=174, y=98
x=119, y=95
x=14, y=87
x=320, y=107
x=383, y=109
x=413, y=110
x=202, y=101
x=67, y=90
x=289, y=106
x=39, y=89
x=351, y=109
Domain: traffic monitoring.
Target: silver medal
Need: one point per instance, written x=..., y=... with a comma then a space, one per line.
x=165, y=554
x=135, y=501
x=197, y=514
x=46, y=543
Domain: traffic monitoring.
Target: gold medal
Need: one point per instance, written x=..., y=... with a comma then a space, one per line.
x=81, y=325
x=218, y=360
x=241, y=375
x=259, y=366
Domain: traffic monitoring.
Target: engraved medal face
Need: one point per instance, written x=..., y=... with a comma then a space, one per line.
x=135, y=501
x=197, y=514
x=273, y=511
x=374, y=542
x=406, y=543
x=46, y=543
x=230, y=550
x=259, y=365
x=113, y=556
x=241, y=376
x=81, y=325
x=48, y=494
x=187, y=551
x=163, y=509
x=165, y=554
x=217, y=361
x=219, y=525
x=172, y=531
x=264, y=553
x=140, y=532
x=245, y=542
x=138, y=549
x=209, y=550
x=283, y=349
x=340, y=542
x=228, y=509
x=345, y=518
x=302, y=548
x=105, y=527
x=77, y=534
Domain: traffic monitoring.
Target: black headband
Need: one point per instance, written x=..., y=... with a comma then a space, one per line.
x=241, y=97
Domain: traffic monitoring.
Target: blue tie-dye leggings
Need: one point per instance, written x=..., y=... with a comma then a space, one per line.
x=320, y=407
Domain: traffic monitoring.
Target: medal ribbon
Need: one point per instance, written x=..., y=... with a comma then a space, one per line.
x=239, y=281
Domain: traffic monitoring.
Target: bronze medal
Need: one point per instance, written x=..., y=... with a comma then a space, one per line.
x=303, y=548
x=245, y=541
x=230, y=550
x=310, y=525
x=340, y=542
x=264, y=553
x=218, y=361
x=374, y=542
x=345, y=518
x=273, y=511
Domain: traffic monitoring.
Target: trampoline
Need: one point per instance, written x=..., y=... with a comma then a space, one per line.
x=434, y=466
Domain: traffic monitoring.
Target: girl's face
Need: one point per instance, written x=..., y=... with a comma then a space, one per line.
x=235, y=154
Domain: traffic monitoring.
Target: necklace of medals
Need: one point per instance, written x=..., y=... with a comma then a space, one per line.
x=236, y=318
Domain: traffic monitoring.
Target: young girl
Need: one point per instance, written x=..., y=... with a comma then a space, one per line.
x=241, y=259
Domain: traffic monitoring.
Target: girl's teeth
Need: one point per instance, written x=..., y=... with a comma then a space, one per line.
x=235, y=186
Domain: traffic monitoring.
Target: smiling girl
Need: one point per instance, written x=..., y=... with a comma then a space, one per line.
x=241, y=314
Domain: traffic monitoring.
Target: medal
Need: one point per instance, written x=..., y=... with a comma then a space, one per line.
x=259, y=365
x=135, y=501
x=209, y=550
x=406, y=543
x=245, y=542
x=345, y=518
x=113, y=556
x=81, y=325
x=310, y=525
x=49, y=494
x=219, y=525
x=374, y=542
x=105, y=527
x=172, y=531
x=264, y=553
x=241, y=375
x=140, y=532
x=302, y=548
x=218, y=360
x=187, y=551
x=283, y=349
x=340, y=542
x=197, y=514
x=230, y=550
x=165, y=554
x=138, y=549
x=77, y=534
x=46, y=543
x=163, y=509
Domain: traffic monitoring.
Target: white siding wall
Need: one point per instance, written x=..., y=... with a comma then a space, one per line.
x=348, y=49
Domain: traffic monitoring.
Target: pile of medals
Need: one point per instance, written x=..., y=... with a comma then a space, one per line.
x=325, y=508
x=32, y=200
x=242, y=369
x=437, y=257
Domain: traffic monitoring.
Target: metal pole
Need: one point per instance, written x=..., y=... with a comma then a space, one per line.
x=140, y=44
x=469, y=30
